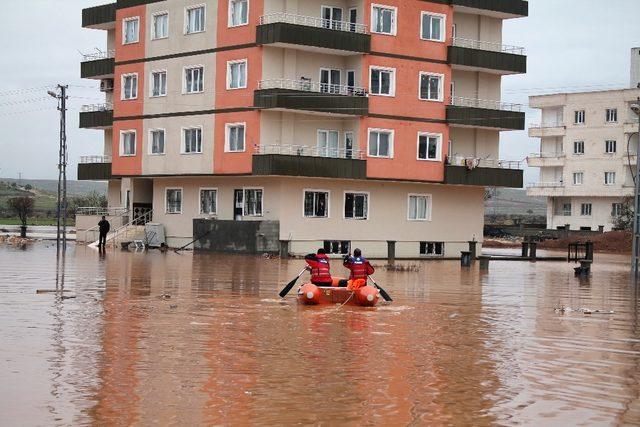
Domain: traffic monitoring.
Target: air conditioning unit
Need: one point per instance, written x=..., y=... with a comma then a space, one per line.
x=106, y=85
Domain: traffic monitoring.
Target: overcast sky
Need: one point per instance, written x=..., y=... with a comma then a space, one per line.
x=572, y=45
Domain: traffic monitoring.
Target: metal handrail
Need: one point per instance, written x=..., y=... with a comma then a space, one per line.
x=475, y=162
x=99, y=54
x=95, y=159
x=137, y=220
x=491, y=46
x=307, y=85
x=90, y=108
x=547, y=155
x=309, y=151
x=546, y=125
x=99, y=211
x=545, y=185
x=460, y=101
x=312, y=21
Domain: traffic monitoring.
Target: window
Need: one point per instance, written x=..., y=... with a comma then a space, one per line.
x=234, y=137
x=383, y=19
x=316, y=204
x=585, y=209
x=237, y=74
x=356, y=205
x=195, y=19
x=610, y=146
x=419, y=207
x=330, y=80
x=432, y=27
x=578, y=178
x=566, y=209
x=337, y=247
x=160, y=26
x=429, y=146
x=430, y=87
x=578, y=147
x=252, y=202
x=129, y=86
x=579, y=117
x=616, y=209
x=192, y=140
x=431, y=249
x=158, y=83
x=238, y=12
x=331, y=17
x=382, y=81
x=380, y=143
x=208, y=201
x=327, y=143
x=194, y=79
x=156, y=141
x=130, y=30
x=609, y=178
x=173, y=197
x=127, y=143
x=611, y=115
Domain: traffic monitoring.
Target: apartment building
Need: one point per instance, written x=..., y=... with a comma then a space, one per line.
x=339, y=124
x=588, y=156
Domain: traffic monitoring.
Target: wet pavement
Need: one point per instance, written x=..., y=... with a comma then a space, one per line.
x=456, y=347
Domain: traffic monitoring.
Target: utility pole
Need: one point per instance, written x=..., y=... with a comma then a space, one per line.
x=636, y=201
x=61, y=237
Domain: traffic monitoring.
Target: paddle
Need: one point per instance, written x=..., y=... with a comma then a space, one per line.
x=384, y=293
x=287, y=288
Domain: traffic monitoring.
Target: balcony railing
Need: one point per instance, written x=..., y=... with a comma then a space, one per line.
x=459, y=101
x=545, y=125
x=309, y=86
x=99, y=54
x=95, y=159
x=309, y=151
x=474, y=162
x=490, y=46
x=553, y=184
x=92, y=108
x=98, y=211
x=547, y=155
x=312, y=21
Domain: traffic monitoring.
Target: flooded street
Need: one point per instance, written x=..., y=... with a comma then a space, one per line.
x=455, y=347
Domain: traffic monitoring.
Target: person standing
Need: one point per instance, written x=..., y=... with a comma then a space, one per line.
x=104, y=228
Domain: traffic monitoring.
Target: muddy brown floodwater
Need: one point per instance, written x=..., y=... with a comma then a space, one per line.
x=455, y=347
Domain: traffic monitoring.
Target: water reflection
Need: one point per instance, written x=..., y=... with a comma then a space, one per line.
x=202, y=339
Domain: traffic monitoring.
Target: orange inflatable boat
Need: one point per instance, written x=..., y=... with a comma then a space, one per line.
x=359, y=294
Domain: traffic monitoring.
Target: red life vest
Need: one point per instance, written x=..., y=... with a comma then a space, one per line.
x=320, y=268
x=359, y=267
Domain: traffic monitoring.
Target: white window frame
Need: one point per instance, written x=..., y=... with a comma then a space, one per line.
x=166, y=206
x=344, y=205
x=166, y=83
x=227, y=132
x=394, y=23
x=440, y=86
x=392, y=86
x=150, y=142
x=613, y=175
x=610, y=112
x=582, y=205
x=122, y=77
x=153, y=26
x=606, y=146
x=186, y=19
x=229, y=15
x=576, y=115
x=246, y=73
x=200, y=190
x=439, y=148
x=184, y=79
x=433, y=255
x=328, y=208
x=574, y=175
x=429, y=198
x=124, y=30
x=391, y=133
x=616, y=209
x=244, y=201
x=575, y=146
x=328, y=150
x=121, y=143
x=443, y=28
x=183, y=140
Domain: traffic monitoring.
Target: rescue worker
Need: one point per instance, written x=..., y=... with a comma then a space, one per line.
x=320, y=269
x=358, y=266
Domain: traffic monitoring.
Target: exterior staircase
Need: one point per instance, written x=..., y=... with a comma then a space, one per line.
x=132, y=231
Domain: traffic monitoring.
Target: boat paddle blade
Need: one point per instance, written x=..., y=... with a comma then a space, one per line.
x=290, y=285
x=384, y=293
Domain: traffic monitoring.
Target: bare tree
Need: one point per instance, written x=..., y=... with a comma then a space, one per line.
x=624, y=220
x=23, y=207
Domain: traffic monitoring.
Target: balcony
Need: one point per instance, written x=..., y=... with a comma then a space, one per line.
x=101, y=17
x=99, y=65
x=96, y=116
x=550, y=159
x=302, y=160
x=94, y=168
x=483, y=172
x=544, y=130
x=546, y=189
x=631, y=126
x=305, y=95
x=503, y=9
x=559, y=189
x=631, y=158
x=469, y=112
x=311, y=33
x=474, y=55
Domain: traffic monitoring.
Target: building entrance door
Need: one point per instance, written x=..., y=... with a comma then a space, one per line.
x=238, y=203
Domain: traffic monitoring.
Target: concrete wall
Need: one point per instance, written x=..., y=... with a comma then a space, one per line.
x=635, y=67
x=236, y=236
x=313, y=8
x=469, y=142
x=477, y=27
x=600, y=214
x=476, y=85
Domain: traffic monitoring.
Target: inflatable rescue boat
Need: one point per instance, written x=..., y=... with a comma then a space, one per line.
x=359, y=294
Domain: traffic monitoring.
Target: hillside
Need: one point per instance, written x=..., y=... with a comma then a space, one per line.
x=514, y=201
x=74, y=188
